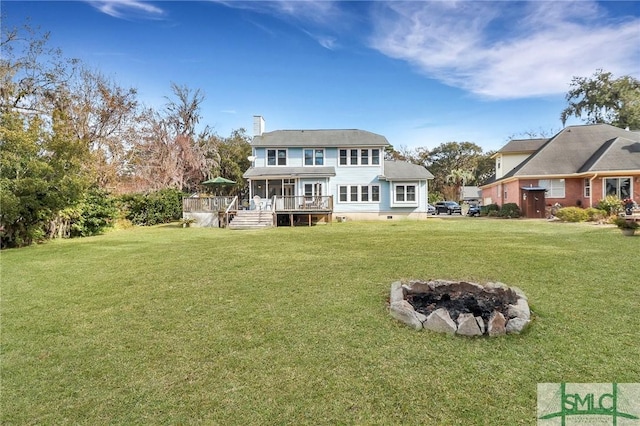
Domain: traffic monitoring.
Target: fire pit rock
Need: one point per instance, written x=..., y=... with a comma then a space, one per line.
x=458, y=307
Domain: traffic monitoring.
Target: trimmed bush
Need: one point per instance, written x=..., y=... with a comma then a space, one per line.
x=572, y=214
x=509, y=210
x=595, y=215
x=490, y=210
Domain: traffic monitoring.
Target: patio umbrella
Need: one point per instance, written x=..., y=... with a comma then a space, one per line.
x=218, y=182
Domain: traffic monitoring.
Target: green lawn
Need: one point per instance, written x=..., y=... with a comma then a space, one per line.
x=166, y=325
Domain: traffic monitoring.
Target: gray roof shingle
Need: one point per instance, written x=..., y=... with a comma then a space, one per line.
x=402, y=170
x=319, y=138
x=522, y=145
x=285, y=172
x=578, y=149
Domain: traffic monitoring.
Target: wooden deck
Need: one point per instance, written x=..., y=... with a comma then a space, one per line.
x=286, y=211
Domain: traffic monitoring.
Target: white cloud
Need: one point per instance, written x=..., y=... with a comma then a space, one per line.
x=316, y=18
x=124, y=9
x=507, y=49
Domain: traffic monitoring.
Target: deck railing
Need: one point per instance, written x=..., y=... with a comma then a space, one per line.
x=207, y=204
x=298, y=203
x=232, y=207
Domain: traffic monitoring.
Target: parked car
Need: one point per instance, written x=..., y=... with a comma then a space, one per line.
x=474, y=210
x=431, y=209
x=448, y=207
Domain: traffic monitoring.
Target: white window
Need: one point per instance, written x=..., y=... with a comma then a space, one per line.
x=375, y=157
x=587, y=188
x=314, y=157
x=353, y=157
x=618, y=187
x=342, y=191
x=358, y=157
x=359, y=193
x=405, y=194
x=554, y=187
x=276, y=157
x=343, y=157
x=354, y=194
x=313, y=189
x=375, y=193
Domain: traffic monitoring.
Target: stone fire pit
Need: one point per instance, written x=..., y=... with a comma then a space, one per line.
x=464, y=308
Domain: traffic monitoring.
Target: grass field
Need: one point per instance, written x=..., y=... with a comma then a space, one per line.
x=166, y=325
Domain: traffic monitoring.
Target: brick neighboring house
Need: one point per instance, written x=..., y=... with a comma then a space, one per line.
x=579, y=166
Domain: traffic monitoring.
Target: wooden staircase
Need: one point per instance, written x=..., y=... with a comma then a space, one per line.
x=252, y=219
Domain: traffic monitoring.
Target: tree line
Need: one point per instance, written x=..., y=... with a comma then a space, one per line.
x=71, y=138
x=67, y=131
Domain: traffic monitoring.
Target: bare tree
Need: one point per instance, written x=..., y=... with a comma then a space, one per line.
x=30, y=69
x=173, y=153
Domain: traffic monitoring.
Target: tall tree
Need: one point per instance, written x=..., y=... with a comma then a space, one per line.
x=234, y=152
x=485, y=169
x=104, y=117
x=30, y=69
x=604, y=99
x=449, y=156
x=42, y=162
x=458, y=178
x=173, y=153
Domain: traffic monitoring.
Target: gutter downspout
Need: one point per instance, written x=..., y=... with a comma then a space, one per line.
x=591, y=189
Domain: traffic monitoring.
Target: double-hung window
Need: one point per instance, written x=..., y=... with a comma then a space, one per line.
x=375, y=157
x=276, y=157
x=353, y=158
x=554, y=187
x=405, y=193
x=343, y=157
x=359, y=157
x=359, y=193
x=587, y=188
x=314, y=157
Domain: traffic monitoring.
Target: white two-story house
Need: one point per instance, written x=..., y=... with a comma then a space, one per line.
x=332, y=174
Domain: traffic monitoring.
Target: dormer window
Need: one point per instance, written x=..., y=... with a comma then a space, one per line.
x=276, y=157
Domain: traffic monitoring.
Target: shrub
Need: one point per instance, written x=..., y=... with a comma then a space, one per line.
x=595, y=215
x=92, y=215
x=611, y=204
x=162, y=206
x=623, y=223
x=572, y=214
x=509, y=210
x=490, y=210
x=97, y=213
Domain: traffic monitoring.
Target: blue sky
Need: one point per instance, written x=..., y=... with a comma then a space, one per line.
x=420, y=73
